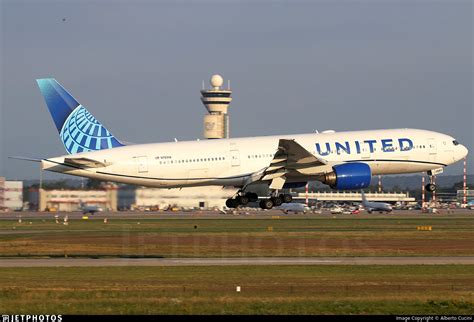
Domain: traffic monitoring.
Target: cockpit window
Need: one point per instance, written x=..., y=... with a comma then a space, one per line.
x=455, y=142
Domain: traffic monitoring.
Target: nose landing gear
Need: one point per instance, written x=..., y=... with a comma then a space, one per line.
x=431, y=187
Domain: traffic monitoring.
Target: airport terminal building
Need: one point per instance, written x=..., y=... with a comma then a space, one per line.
x=113, y=198
x=71, y=200
x=159, y=199
x=469, y=195
x=11, y=194
x=357, y=196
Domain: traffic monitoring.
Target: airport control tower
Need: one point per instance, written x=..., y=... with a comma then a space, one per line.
x=216, y=100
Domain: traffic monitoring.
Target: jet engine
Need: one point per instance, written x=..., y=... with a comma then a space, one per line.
x=349, y=176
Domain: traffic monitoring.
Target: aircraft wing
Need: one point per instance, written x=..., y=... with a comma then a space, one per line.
x=295, y=153
x=292, y=161
x=85, y=162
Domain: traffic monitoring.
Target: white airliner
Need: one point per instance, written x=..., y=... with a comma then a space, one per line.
x=371, y=206
x=343, y=160
x=89, y=209
x=294, y=207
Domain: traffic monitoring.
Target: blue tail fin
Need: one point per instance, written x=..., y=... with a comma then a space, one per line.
x=78, y=129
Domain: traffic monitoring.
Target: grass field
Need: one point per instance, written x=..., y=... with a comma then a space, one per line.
x=233, y=237
x=264, y=290
x=411, y=289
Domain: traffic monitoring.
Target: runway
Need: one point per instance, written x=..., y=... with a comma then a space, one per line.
x=246, y=261
x=201, y=214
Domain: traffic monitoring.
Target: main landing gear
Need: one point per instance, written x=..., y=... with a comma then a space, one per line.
x=275, y=201
x=241, y=200
x=269, y=203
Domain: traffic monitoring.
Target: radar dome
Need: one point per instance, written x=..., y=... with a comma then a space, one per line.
x=216, y=80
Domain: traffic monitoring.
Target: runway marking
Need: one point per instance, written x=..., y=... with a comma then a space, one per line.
x=247, y=261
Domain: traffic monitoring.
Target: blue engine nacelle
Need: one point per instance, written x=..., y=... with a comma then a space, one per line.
x=349, y=176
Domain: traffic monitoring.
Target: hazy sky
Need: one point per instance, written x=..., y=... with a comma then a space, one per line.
x=294, y=67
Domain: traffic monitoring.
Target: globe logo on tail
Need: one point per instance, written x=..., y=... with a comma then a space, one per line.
x=82, y=133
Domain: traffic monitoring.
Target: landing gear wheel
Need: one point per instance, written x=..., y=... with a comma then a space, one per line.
x=242, y=200
x=277, y=201
x=286, y=198
x=266, y=204
x=231, y=203
x=430, y=187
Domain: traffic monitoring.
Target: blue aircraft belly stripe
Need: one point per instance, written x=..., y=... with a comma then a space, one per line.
x=174, y=179
x=150, y=178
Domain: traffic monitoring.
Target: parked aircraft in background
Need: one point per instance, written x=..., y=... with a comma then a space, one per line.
x=295, y=207
x=375, y=206
x=336, y=210
x=344, y=160
x=89, y=209
x=470, y=204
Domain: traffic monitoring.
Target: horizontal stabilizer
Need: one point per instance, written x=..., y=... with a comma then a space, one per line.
x=25, y=159
x=86, y=162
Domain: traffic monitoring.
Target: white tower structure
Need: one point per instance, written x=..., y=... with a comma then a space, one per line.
x=216, y=100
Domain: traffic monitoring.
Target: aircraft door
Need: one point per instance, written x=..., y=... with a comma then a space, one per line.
x=234, y=158
x=432, y=148
x=142, y=164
